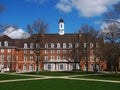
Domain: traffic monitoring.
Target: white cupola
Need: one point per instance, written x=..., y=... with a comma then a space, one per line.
x=61, y=27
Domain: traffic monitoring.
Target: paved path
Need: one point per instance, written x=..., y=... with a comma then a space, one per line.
x=70, y=77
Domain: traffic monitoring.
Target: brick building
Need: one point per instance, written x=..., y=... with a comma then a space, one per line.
x=55, y=52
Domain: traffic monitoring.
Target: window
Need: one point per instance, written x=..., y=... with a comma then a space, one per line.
x=25, y=45
x=64, y=45
x=31, y=45
x=2, y=50
x=25, y=67
x=46, y=45
x=64, y=57
x=58, y=51
x=8, y=58
x=58, y=57
x=92, y=58
x=76, y=45
x=25, y=58
x=58, y=45
x=46, y=51
x=49, y=66
x=70, y=45
x=25, y=51
x=52, y=45
x=31, y=51
x=61, y=66
x=5, y=43
x=2, y=57
x=31, y=67
x=64, y=51
x=31, y=58
x=85, y=45
x=52, y=57
x=46, y=57
x=91, y=45
x=9, y=50
x=52, y=51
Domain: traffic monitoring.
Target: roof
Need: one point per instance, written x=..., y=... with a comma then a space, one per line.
x=61, y=20
x=47, y=38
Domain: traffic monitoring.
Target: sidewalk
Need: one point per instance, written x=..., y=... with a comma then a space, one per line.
x=41, y=77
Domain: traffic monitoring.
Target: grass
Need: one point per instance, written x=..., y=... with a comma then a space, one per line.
x=11, y=77
x=103, y=77
x=47, y=73
x=59, y=84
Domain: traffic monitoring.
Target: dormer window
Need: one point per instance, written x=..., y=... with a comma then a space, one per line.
x=52, y=45
x=64, y=45
x=70, y=45
x=46, y=45
x=76, y=45
x=58, y=45
x=91, y=45
x=6, y=44
x=85, y=45
x=31, y=45
x=25, y=45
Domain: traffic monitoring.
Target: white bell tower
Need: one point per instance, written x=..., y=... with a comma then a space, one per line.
x=61, y=27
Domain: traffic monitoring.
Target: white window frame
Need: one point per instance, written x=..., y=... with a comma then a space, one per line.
x=31, y=58
x=58, y=51
x=64, y=45
x=2, y=50
x=46, y=51
x=25, y=67
x=31, y=67
x=25, y=58
x=52, y=45
x=85, y=45
x=31, y=45
x=46, y=57
x=91, y=45
x=46, y=45
x=25, y=45
x=6, y=43
x=58, y=45
x=70, y=45
x=9, y=50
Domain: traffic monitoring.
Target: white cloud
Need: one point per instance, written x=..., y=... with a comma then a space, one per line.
x=87, y=8
x=15, y=33
x=65, y=5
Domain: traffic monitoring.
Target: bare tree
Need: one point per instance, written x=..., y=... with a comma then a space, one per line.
x=112, y=49
x=38, y=28
x=90, y=35
x=76, y=49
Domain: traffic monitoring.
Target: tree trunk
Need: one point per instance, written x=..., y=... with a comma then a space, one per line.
x=37, y=65
x=116, y=67
x=111, y=67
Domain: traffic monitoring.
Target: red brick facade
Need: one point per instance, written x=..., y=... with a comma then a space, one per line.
x=19, y=54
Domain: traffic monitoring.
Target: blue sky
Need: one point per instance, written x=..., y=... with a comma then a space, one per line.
x=74, y=12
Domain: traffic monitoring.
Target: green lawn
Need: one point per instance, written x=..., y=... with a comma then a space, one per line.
x=59, y=84
x=58, y=73
x=11, y=77
x=103, y=77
